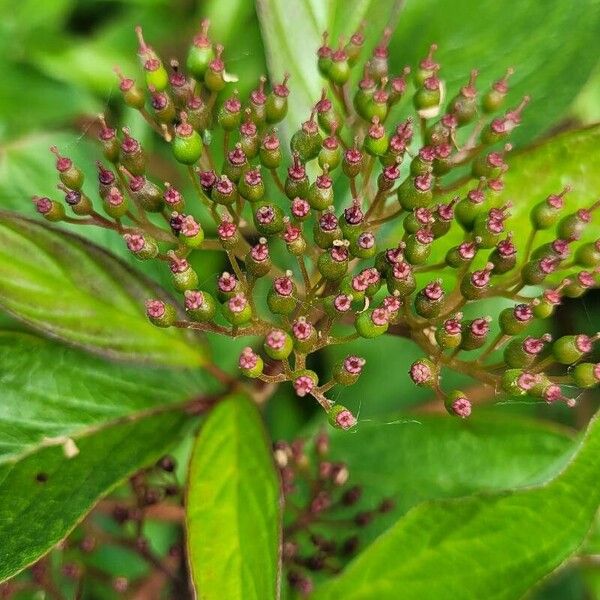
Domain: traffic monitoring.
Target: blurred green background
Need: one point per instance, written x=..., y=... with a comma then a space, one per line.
x=57, y=59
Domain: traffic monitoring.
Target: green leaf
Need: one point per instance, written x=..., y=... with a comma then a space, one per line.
x=485, y=546
x=68, y=288
x=550, y=66
x=233, y=506
x=292, y=34
x=69, y=393
x=36, y=515
x=488, y=452
x=111, y=419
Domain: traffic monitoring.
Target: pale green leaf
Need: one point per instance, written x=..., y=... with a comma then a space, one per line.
x=68, y=288
x=233, y=507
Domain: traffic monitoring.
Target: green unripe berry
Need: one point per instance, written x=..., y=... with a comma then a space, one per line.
x=333, y=264
x=429, y=300
x=278, y=344
x=515, y=319
x=200, y=53
x=160, y=313
x=277, y=104
x=571, y=348
x=348, y=370
x=457, y=404
x=183, y=276
x=340, y=417
x=214, y=75
x=372, y=323
x=282, y=297
x=250, y=363
x=237, y=310
x=50, y=209
x=187, y=143
x=200, y=306
x=586, y=375
x=268, y=219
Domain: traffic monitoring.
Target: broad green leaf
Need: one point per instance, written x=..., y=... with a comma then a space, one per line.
x=551, y=65
x=494, y=546
x=68, y=288
x=233, y=507
x=110, y=419
x=488, y=452
x=52, y=392
x=36, y=514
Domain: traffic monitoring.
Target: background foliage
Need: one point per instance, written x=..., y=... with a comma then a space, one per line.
x=57, y=58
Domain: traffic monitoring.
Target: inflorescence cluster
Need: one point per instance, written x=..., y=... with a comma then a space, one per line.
x=320, y=227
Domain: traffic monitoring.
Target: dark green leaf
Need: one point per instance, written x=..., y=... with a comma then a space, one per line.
x=455, y=458
x=233, y=506
x=484, y=546
x=551, y=65
x=80, y=424
x=68, y=288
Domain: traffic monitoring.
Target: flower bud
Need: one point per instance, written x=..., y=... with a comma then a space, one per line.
x=580, y=283
x=80, y=204
x=588, y=255
x=320, y=193
x=416, y=192
x=270, y=151
x=449, y=335
x=183, y=276
x=109, y=141
x=347, y=371
x=516, y=319
x=474, y=286
x=227, y=285
x=163, y=106
x=504, y=256
x=296, y=183
x=418, y=246
x=268, y=219
x=572, y=226
x=304, y=382
x=333, y=263
x=132, y=155
x=326, y=230
x=464, y=104
x=214, y=75
x=545, y=214
x=258, y=101
x=235, y=164
x=230, y=114
x=132, y=95
x=200, y=53
x=306, y=142
x=376, y=141
x=304, y=335
x=427, y=67
x=494, y=98
x=156, y=74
